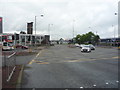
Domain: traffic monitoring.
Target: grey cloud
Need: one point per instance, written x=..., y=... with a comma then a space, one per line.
x=97, y=14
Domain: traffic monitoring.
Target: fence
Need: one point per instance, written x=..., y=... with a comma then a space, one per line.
x=8, y=65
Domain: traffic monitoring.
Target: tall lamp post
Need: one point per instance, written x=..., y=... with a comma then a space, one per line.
x=114, y=29
x=114, y=26
x=35, y=26
x=49, y=28
x=73, y=29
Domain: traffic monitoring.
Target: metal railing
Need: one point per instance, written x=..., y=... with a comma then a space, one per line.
x=9, y=65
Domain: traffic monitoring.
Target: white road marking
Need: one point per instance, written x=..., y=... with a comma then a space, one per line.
x=94, y=85
x=107, y=83
x=81, y=87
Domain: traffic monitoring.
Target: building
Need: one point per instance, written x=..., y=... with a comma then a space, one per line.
x=28, y=39
x=46, y=39
x=30, y=28
x=110, y=41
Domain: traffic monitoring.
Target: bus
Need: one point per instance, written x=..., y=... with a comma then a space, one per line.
x=6, y=42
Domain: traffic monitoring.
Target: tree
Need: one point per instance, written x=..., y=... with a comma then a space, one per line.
x=96, y=39
x=22, y=32
x=77, y=38
x=89, y=38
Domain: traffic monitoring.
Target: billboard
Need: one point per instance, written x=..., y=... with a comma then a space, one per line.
x=1, y=28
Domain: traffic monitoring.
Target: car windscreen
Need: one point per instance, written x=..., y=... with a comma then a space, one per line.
x=5, y=44
x=86, y=46
x=10, y=44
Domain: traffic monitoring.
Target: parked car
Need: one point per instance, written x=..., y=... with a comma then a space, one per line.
x=86, y=48
x=7, y=46
x=92, y=47
x=22, y=46
x=77, y=45
x=81, y=45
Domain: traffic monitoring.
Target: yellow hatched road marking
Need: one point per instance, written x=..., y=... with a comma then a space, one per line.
x=31, y=61
x=35, y=58
x=105, y=58
x=116, y=57
x=44, y=63
x=83, y=59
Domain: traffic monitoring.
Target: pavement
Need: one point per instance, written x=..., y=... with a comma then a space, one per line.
x=64, y=67
x=23, y=57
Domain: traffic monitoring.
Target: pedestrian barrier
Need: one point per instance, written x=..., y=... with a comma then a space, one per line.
x=9, y=65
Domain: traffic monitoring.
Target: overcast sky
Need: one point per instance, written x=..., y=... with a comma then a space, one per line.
x=97, y=16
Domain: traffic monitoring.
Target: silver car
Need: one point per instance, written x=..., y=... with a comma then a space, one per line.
x=86, y=48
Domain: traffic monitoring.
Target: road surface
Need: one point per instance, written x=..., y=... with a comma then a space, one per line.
x=63, y=67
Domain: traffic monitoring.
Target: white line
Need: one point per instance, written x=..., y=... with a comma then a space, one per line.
x=11, y=74
x=12, y=55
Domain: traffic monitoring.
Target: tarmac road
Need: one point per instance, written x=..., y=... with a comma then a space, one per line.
x=64, y=67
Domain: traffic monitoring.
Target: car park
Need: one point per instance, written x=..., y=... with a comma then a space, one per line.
x=86, y=48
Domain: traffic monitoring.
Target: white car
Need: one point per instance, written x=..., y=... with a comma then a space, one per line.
x=77, y=45
x=81, y=45
x=86, y=48
x=92, y=47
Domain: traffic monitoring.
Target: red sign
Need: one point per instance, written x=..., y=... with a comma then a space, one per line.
x=0, y=19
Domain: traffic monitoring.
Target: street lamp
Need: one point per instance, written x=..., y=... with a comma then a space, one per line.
x=114, y=29
x=35, y=26
x=73, y=28
x=49, y=28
